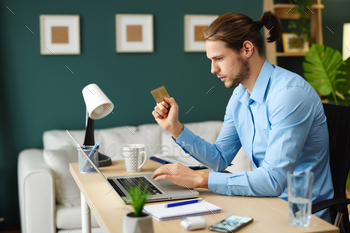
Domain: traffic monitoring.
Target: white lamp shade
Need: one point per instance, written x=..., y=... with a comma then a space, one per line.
x=97, y=103
x=346, y=41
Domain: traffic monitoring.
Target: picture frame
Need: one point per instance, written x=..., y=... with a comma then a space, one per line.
x=293, y=43
x=134, y=33
x=59, y=34
x=194, y=26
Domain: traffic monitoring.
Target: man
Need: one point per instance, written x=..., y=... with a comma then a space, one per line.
x=274, y=114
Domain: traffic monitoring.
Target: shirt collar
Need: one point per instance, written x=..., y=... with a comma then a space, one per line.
x=260, y=85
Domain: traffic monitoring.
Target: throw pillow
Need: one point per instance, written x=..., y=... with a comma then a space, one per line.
x=67, y=191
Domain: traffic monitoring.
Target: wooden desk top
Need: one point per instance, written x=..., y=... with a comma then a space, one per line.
x=270, y=214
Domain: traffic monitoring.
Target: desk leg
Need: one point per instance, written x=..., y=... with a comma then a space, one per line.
x=85, y=216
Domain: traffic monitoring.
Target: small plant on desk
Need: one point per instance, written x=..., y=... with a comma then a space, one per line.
x=138, y=199
x=138, y=221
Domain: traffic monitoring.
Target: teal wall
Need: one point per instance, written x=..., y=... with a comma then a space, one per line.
x=39, y=93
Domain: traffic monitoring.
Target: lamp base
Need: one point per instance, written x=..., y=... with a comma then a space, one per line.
x=104, y=160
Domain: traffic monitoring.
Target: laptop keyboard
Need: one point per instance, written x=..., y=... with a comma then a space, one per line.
x=135, y=181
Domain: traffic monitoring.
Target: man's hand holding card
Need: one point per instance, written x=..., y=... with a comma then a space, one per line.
x=166, y=112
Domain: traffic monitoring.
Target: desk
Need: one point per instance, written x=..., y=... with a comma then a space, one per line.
x=270, y=214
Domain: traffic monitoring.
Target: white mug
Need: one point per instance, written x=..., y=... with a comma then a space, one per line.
x=135, y=157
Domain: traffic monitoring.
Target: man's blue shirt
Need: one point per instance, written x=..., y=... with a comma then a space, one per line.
x=281, y=126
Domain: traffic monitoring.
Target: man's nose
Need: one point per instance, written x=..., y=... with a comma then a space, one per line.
x=214, y=68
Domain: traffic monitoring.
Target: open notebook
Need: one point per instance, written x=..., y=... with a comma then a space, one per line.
x=160, y=212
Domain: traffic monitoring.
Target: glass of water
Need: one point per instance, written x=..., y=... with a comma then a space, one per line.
x=300, y=197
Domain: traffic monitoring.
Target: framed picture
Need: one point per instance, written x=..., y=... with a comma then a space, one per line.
x=134, y=33
x=59, y=34
x=195, y=25
x=293, y=43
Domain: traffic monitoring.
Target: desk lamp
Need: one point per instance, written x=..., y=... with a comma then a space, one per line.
x=346, y=41
x=97, y=106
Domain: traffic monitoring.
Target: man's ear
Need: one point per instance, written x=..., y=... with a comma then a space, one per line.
x=248, y=48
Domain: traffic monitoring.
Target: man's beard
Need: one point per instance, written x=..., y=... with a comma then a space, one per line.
x=243, y=73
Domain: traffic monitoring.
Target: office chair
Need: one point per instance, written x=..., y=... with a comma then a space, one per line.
x=338, y=121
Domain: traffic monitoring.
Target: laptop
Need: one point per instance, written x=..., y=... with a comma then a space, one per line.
x=160, y=191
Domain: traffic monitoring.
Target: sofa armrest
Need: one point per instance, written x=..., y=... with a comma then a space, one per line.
x=36, y=190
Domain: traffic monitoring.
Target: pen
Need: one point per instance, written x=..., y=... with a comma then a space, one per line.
x=183, y=203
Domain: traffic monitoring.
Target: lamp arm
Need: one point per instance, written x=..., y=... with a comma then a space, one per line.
x=89, y=133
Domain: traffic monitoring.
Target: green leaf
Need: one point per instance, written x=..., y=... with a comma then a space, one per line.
x=138, y=198
x=320, y=69
x=343, y=85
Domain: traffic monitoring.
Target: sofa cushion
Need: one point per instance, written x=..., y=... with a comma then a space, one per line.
x=67, y=217
x=67, y=192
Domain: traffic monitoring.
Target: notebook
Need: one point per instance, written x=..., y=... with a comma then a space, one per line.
x=188, y=161
x=161, y=213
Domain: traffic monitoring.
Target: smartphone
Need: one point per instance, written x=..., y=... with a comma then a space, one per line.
x=231, y=224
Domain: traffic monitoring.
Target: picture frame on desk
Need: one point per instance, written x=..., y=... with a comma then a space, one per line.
x=194, y=27
x=292, y=43
x=134, y=33
x=59, y=34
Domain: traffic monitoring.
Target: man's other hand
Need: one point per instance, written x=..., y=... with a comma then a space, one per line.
x=181, y=175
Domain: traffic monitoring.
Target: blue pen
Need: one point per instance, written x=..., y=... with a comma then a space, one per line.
x=183, y=203
x=91, y=152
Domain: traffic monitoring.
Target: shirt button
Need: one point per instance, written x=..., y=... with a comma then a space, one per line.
x=217, y=191
x=183, y=142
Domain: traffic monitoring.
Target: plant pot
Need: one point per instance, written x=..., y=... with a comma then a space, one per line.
x=141, y=224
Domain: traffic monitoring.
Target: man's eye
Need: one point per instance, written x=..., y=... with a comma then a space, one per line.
x=219, y=59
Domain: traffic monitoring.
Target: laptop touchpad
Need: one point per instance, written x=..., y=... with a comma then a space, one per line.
x=167, y=183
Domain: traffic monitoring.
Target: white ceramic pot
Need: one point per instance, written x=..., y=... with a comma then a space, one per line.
x=142, y=224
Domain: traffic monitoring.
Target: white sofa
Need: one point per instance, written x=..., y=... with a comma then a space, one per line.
x=49, y=198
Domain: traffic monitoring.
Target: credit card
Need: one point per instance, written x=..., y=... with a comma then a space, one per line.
x=159, y=94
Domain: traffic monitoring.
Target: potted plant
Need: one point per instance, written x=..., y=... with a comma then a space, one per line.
x=137, y=221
